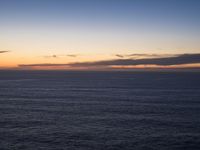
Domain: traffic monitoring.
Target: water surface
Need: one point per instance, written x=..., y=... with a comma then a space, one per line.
x=59, y=110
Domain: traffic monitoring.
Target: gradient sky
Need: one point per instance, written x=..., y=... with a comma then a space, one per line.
x=50, y=31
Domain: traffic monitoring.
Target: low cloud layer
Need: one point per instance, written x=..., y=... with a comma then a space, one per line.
x=43, y=65
x=175, y=60
x=166, y=61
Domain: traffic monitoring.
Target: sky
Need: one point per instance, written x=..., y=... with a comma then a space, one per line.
x=62, y=34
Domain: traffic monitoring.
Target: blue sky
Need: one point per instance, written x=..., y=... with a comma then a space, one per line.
x=172, y=11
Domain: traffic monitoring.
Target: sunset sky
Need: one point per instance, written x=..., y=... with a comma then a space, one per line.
x=94, y=34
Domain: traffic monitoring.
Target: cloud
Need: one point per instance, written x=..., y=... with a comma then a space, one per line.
x=166, y=61
x=42, y=65
x=4, y=51
x=139, y=56
x=57, y=56
x=120, y=56
x=51, y=56
x=175, y=60
x=72, y=55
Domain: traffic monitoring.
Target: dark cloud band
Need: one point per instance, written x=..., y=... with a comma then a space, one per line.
x=175, y=60
x=167, y=61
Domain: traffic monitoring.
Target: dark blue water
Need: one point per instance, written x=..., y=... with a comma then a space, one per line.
x=55, y=110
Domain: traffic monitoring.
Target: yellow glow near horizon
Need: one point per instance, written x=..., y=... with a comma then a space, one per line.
x=30, y=45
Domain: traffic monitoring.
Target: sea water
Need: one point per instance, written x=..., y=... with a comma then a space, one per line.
x=71, y=110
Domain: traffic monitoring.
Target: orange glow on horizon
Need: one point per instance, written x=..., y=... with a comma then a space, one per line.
x=157, y=66
x=115, y=67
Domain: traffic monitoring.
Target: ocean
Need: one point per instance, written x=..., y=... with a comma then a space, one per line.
x=91, y=110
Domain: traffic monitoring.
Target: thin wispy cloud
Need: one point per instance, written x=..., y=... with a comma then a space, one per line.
x=42, y=65
x=4, y=52
x=72, y=55
x=120, y=56
x=51, y=56
x=59, y=56
x=139, y=56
